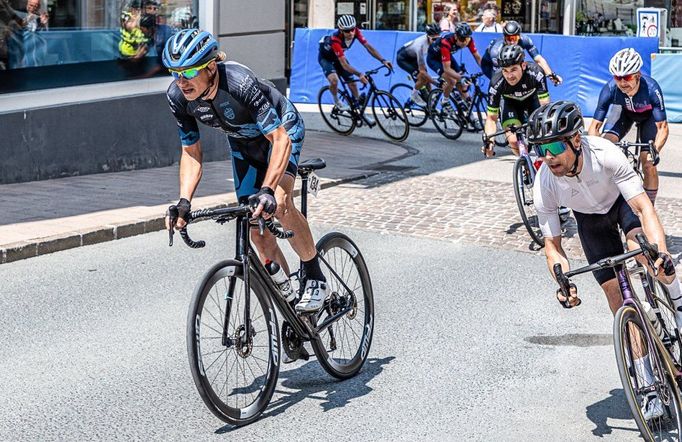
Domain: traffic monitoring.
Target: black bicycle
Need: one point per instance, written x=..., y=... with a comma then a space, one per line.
x=467, y=114
x=233, y=339
x=417, y=114
x=388, y=114
x=633, y=156
x=643, y=328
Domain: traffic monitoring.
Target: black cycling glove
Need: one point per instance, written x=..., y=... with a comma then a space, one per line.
x=180, y=210
x=266, y=197
x=667, y=265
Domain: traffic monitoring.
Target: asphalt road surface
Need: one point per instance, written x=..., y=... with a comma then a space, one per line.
x=468, y=345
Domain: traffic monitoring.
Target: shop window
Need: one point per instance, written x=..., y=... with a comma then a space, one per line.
x=55, y=43
x=601, y=17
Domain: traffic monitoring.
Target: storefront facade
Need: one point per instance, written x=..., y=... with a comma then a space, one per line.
x=75, y=99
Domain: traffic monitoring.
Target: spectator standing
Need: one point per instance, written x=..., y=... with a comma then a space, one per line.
x=448, y=23
x=488, y=22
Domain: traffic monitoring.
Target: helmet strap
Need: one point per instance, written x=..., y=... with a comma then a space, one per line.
x=574, y=169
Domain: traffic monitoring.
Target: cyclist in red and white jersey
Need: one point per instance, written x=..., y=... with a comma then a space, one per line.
x=332, y=57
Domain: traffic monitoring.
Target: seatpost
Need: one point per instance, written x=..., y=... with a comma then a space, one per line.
x=304, y=195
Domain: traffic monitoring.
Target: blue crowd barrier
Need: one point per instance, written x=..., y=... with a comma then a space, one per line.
x=582, y=62
x=666, y=68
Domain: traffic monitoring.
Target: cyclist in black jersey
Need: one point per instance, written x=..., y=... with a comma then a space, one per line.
x=265, y=134
x=523, y=86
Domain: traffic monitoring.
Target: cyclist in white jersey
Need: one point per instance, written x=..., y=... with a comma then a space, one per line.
x=592, y=176
x=411, y=58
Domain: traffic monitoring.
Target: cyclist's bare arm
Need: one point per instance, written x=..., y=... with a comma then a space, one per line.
x=491, y=123
x=279, y=157
x=651, y=224
x=448, y=71
x=661, y=135
x=190, y=170
x=595, y=128
x=190, y=175
x=555, y=254
x=540, y=60
x=349, y=68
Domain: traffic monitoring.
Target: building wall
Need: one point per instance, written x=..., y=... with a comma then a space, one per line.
x=85, y=133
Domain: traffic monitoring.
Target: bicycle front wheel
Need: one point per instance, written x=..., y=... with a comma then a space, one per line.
x=446, y=122
x=340, y=121
x=662, y=304
x=523, y=191
x=416, y=115
x=234, y=368
x=630, y=344
x=343, y=346
x=390, y=116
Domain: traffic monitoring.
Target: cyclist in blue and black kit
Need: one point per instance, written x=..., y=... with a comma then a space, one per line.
x=265, y=134
x=512, y=35
x=632, y=97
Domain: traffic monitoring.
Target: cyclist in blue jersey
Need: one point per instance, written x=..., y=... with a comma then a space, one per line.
x=512, y=35
x=632, y=97
x=441, y=59
x=265, y=134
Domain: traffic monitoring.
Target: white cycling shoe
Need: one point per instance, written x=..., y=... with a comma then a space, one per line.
x=313, y=297
x=417, y=99
x=652, y=408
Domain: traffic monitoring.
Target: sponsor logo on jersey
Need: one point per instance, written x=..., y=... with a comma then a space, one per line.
x=228, y=112
x=205, y=117
x=203, y=109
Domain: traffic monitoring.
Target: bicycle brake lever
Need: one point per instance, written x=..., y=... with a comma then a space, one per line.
x=261, y=225
x=173, y=218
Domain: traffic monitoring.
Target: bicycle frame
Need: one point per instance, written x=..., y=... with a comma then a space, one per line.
x=358, y=109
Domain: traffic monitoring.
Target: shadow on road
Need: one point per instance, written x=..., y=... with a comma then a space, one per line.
x=310, y=381
x=613, y=407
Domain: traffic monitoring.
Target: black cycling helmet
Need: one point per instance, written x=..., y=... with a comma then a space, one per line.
x=510, y=55
x=512, y=28
x=463, y=30
x=551, y=121
x=433, y=30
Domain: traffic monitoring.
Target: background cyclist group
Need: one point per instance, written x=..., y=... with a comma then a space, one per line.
x=587, y=173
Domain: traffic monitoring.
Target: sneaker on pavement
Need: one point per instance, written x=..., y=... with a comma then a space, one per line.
x=313, y=296
x=417, y=99
x=652, y=408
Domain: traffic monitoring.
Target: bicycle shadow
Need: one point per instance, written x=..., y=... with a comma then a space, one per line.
x=311, y=381
x=613, y=407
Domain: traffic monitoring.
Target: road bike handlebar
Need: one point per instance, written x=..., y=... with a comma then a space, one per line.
x=376, y=70
x=626, y=145
x=512, y=128
x=222, y=216
x=650, y=251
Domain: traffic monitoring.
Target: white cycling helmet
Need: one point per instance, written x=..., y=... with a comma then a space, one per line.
x=626, y=61
x=346, y=22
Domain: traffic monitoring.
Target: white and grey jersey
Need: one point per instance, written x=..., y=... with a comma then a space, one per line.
x=417, y=48
x=605, y=174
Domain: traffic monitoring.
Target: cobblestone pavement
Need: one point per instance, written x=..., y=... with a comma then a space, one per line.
x=453, y=209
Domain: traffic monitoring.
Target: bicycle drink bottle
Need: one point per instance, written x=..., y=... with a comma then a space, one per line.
x=281, y=279
x=651, y=314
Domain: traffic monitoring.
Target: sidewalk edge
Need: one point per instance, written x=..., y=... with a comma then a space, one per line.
x=78, y=238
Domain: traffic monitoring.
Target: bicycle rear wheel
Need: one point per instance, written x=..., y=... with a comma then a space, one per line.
x=628, y=334
x=390, y=116
x=447, y=123
x=342, y=122
x=235, y=370
x=523, y=191
x=416, y=115
x=343, y=346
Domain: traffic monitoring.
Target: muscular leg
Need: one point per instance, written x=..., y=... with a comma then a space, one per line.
x=513, y=143
x=650, y=176
x=354, y=89
x=333, y=84
x=292, y=219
